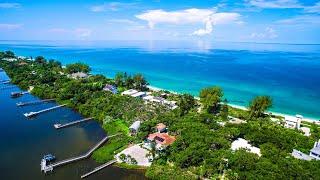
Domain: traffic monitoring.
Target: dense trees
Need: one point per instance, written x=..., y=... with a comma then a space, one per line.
x=210, y=98
x=136, y=81
x=259, y=105
x=202, y=146
x=186, y=103
x=77, y=67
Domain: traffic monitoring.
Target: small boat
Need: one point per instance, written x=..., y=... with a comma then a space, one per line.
x=16, y=94
x=49, y=157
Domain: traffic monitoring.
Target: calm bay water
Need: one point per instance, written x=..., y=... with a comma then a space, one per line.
x=288, y=73
x=24, y=142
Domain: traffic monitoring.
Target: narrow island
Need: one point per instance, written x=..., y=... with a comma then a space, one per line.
x=175, y=136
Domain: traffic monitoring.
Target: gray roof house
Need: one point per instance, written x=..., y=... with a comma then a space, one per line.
x=135, y=127
x=315, y=151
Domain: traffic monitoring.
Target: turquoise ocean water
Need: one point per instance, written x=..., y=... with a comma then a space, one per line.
x=289, y=73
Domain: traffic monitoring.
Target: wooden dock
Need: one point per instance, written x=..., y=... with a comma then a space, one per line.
x=33, y=102
x=59, y=126
x=5, y=82
x=31, y=114
x=18, y=94
x=99, y=168
x=49, y=167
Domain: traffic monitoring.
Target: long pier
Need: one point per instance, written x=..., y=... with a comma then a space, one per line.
x=99, y=168
x=33, y=102
x=5, y=82
x=58, y=126
x=49, y=167
x=30, y=114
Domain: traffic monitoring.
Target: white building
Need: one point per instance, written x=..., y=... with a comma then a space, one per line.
x=242, y=143
x=129, y=92
x=79, y=75
x=139, y=95
x=293, y=122
x=315, y=151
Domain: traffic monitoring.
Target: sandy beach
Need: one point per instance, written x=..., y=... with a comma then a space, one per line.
x=310, y=120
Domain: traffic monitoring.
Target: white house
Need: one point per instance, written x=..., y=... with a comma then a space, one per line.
x=139, y=94
x=315, y=151
x=129, y=92
x=242, y=143
x=293, y=122
x=79, y=75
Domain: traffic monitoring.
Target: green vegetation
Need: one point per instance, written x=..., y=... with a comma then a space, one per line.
x=77, y=67
x=259, y=105
x=210, y=98
x=202, y=146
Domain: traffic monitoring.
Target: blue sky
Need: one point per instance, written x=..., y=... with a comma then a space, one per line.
x=283, y=21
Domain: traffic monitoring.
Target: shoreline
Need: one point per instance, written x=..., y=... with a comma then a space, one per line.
x=305, y=119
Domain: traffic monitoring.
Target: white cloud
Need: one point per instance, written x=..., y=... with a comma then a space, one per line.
x=313, y=9
x=268, y=33
x=301, y=20
x=122, y=21
x=9, y=5
x=277, y=4
x=10, y=26
x=112, y=6
x=208, y=17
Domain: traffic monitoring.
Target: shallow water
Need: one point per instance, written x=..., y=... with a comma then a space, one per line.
x=288, y=73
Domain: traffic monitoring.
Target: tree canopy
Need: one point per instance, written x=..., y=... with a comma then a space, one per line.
x=77, y=67
x=210, y=98
x=259, y=105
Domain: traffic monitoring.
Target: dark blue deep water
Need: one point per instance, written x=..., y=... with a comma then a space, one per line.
x=290, y=74
x=25, y=141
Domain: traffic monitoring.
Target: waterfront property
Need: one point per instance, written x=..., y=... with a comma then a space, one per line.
x=293, y=122
x=243, y=144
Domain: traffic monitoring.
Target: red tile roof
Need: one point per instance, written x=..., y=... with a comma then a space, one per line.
x=162, y=138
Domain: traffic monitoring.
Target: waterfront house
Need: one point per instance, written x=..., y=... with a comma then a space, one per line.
x=79, y=75
x=243, y=144
x=134, y=127
x=138, y=95
x=161, y=140
x=293, y=122
x=111, y=88
x=315, y=151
